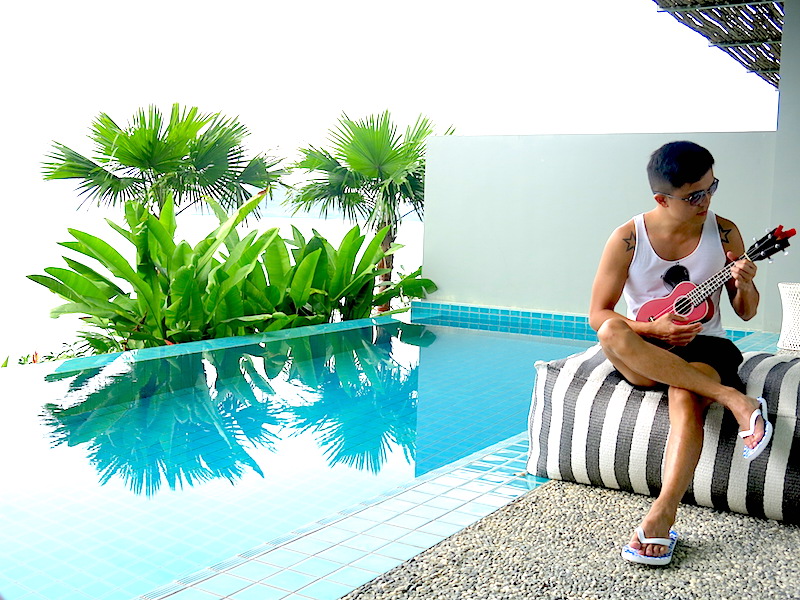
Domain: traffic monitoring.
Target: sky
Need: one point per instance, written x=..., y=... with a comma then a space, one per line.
x=288, y=70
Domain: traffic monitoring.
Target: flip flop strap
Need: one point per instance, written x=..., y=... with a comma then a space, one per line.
x=752, y=430
x=655, y=541
x=761, y=411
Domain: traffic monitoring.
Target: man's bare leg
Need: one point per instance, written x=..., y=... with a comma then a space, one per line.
x=642, y=363
x=685, y=442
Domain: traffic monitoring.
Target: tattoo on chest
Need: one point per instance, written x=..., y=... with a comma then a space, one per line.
x=724, y=234
x=630, y=241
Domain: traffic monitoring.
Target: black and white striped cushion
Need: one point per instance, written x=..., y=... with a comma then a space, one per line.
x=590, y=426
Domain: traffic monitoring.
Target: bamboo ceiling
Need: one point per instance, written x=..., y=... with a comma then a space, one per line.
x=750, y=32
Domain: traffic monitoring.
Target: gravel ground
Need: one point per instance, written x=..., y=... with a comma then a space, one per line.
x=562, y=541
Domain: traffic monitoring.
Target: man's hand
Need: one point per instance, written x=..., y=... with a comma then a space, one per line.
x=742, y=271
x=675, y=329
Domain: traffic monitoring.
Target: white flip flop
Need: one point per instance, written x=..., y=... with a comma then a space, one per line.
x=751, y=453
x=632, y=555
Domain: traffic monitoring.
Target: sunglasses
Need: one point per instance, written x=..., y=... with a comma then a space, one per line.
x=696, y=198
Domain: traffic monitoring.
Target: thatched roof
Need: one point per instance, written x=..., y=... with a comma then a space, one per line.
x=750, y=32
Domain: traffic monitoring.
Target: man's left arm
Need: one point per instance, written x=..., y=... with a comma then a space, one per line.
x=742, y=291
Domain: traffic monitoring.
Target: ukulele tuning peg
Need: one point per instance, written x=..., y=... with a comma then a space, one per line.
x=786, y=253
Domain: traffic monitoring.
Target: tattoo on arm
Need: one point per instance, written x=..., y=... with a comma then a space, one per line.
x=630, y=241
x=724, y=234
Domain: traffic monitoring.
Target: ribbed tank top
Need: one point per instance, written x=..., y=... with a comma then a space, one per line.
x=647, y=270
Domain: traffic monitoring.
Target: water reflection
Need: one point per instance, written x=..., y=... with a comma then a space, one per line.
x=187, y=419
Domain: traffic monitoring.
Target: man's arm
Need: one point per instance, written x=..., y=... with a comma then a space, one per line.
x=742, y=291
x=612, y=272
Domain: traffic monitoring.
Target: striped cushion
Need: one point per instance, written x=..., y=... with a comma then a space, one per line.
x=590, y=426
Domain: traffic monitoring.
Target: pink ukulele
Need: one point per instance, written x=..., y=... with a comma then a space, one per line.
x=691, y=301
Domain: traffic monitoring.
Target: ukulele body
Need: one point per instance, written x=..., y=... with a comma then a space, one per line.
x=678, y=303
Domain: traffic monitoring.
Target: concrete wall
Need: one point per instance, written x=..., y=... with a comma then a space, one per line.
x=521, y=221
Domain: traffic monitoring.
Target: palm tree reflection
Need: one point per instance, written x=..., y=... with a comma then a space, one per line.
x=191, y=418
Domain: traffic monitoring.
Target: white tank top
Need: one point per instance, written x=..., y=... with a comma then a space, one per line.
x=649, y=275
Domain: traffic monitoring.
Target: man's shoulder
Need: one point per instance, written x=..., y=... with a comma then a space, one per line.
x=728, y=231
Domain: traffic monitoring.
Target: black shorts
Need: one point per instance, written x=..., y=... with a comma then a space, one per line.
x=721, y=354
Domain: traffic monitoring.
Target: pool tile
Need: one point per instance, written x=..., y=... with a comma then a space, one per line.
x=408, y=521
x=223, y=584
x=193, y=594
x=282, y=557
x=309, y=545
x=333, y=534
x=352, y=576
x=319, y=567
x=376, y=563
x=291, y=581
x=342, y=554
x=254, y=570
x=420, y=539
x=399, y=551
x=388, y=531
x=325, y=590
x=440, y=528
x=260, y=592
x=428, y=512
x=458, y=517
x=365, y=542
x=355, y=524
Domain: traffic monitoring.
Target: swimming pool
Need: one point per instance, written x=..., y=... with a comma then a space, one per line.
x=122, y=474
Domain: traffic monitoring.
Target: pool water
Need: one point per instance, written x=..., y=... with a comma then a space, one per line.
x=123, y=474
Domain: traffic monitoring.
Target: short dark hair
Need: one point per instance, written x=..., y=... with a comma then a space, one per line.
x=677, y=163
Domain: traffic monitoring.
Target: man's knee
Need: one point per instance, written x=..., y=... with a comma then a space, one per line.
x=613, y=331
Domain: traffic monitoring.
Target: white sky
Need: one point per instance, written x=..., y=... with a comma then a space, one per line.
x=289, y=69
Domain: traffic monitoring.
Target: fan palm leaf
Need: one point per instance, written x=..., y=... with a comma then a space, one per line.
x=370, y=174
x=189, y=156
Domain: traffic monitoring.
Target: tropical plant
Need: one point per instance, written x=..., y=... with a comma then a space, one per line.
x=188, y=157
x=223, y=286
x=371, y=173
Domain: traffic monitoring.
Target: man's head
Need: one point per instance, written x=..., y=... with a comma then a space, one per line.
x=676, y=164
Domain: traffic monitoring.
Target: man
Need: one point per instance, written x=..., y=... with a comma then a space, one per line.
x=679, y=238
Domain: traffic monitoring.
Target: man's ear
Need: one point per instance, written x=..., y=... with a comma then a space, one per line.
x=660, y=199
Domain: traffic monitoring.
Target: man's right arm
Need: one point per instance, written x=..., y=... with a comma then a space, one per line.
x=612, y=272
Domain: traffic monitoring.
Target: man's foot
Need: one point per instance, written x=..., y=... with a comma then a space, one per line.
x=655, y=525
x=753, y=428
x=760, y=414
x=752, y=423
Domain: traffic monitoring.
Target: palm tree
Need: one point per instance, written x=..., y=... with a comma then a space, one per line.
x=190, y=156
x=371, y=174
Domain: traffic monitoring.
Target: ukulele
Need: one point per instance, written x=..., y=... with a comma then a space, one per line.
x=692, y=301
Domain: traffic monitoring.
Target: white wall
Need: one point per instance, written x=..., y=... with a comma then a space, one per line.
x=520, y=221
x=787, y=157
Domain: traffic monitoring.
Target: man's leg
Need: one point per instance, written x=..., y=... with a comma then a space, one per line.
x=642, y=363
x=685, y=442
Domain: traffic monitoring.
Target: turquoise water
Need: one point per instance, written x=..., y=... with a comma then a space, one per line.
x=123, y=475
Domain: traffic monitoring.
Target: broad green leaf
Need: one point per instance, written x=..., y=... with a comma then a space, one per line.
x=94, y=276
x=372, y=253
x=278, y=264
x=300, y=286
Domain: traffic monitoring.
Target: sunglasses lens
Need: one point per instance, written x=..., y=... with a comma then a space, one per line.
x=697, y=197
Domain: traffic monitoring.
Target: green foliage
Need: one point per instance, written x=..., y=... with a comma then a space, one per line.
x=371, y=173
x=190, y=156
x=223, y=286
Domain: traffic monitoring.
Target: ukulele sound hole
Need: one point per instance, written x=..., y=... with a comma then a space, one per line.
x=683, y=306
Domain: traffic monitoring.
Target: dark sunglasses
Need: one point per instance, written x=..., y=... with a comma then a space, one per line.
x=696, y=198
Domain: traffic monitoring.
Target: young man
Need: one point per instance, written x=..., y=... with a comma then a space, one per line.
x=678, y=239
